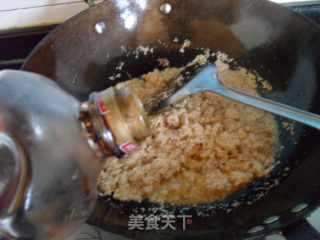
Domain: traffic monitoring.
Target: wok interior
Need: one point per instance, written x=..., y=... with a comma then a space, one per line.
x=133, y=67
x=286, y=161
x=279, y=45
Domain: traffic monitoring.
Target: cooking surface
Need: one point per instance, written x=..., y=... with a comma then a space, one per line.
x=15, y=46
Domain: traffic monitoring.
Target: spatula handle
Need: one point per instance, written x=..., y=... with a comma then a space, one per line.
x=268, y=105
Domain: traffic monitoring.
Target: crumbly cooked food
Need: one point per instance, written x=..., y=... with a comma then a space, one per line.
x=204, y=148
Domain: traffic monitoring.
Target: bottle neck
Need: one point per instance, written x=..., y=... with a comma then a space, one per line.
x=115, y=121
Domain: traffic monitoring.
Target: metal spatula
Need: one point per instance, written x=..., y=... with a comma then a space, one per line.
x=208, y=80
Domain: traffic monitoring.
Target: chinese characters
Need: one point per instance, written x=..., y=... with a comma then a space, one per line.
x=153, y=222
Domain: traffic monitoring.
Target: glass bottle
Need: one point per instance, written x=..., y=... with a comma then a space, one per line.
x=52, y=148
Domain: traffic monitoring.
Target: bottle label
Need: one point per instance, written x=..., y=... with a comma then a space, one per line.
x=102, y=108
x=128, y=147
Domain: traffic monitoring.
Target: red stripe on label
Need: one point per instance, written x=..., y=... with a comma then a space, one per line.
x=102, y=109
x=128, y=147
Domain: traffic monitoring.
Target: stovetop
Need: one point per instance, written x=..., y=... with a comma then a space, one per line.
x=15, y=46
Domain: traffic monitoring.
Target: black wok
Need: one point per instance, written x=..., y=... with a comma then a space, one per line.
x=281, y=46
